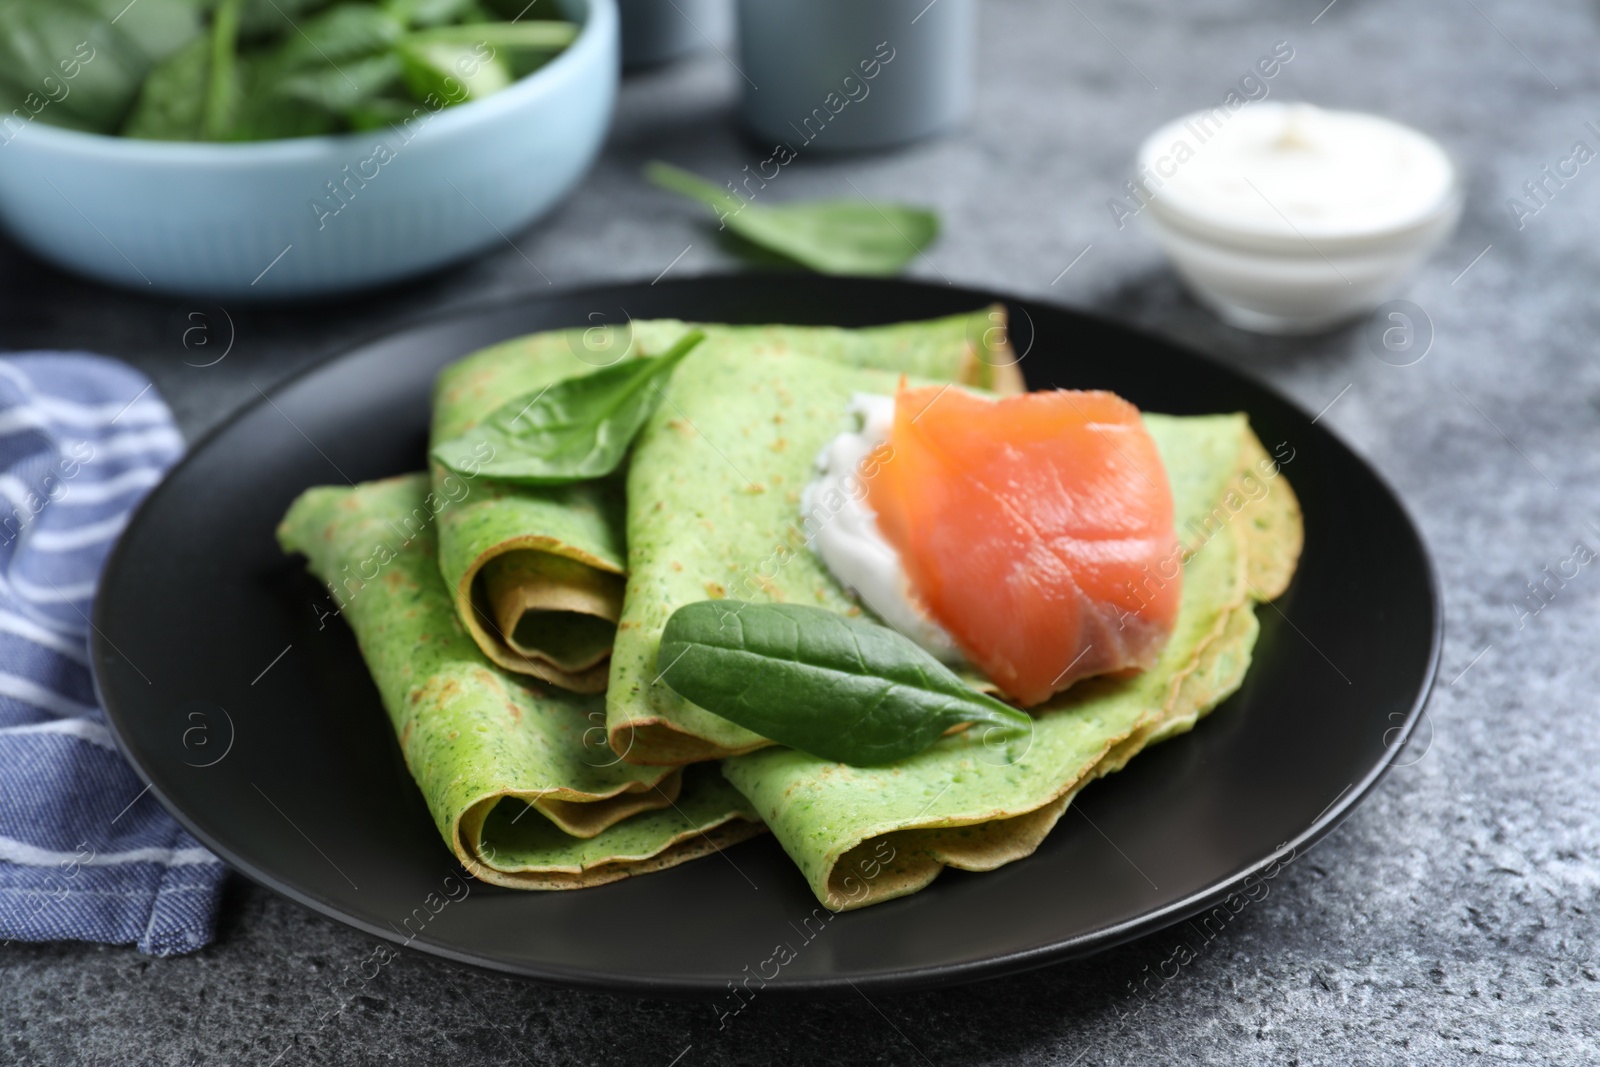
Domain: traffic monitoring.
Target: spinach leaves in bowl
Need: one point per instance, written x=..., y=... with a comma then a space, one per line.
x=254, y=70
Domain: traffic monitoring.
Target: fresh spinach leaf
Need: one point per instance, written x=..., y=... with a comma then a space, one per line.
x=540, y=36
x=828, y=236
x=172, y=102
x=526, y=11
x=416, y=13
x=348, y=31
x=194, y=94
x=460, y=63
x=222, y=82
x=342, y=89
x=65, y=65
x=158, y=28
x=264, y=114
x=837, y=687
x=232, y=70
x=381, y=112
x=267, y=19
x=449, y=71
x=573, y=430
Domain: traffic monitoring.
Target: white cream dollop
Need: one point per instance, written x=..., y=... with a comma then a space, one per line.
x=1297, y=172
x=842, y=529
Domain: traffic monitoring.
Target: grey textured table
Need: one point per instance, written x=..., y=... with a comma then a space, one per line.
x=1451, y=919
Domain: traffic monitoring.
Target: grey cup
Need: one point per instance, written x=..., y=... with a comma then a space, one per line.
x=658, y=31
x=841, y=75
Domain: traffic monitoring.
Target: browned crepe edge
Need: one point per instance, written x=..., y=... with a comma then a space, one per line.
x=601, y=810
x=486, y=633
x=689, y=845
x=654, y=742
x=513, y=600
x=1002, y=376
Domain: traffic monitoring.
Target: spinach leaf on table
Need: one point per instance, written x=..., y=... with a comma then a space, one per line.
x=572, y=430
x=840, y=688
x=828, y=236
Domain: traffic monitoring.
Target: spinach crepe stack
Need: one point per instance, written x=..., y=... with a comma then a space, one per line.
x=516, y=638
x=489, y=619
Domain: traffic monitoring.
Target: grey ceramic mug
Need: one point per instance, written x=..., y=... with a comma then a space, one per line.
x=658, y=31
x=841, y=75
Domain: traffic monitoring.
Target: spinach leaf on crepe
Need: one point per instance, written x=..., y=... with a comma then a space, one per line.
x=828, y=236
x=573, y=430
x=837, y=687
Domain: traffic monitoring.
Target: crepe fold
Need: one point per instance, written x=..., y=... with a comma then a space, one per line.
x=537, y=572
x=862, y=835
x=714, y=511
x=483, y=746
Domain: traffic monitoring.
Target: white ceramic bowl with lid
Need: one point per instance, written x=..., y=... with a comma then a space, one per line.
x=1285, y=218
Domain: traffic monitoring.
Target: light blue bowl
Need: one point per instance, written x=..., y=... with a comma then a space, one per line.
x=263, y=220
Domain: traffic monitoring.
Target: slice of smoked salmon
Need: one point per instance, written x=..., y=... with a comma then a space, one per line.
x=1037, y=529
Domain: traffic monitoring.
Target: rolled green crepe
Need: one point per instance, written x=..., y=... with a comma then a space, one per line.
x=537, y=572
x=862, y=835
x=518, y=779
x=714, y=494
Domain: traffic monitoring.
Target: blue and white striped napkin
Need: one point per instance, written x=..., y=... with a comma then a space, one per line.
x=85, y=852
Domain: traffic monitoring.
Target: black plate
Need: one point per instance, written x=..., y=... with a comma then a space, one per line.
x=263, y=733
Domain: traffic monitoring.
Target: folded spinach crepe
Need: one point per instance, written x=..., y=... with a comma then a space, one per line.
x=537, y=572
x=518, y=778
x=862, y=835
x=714, y=510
